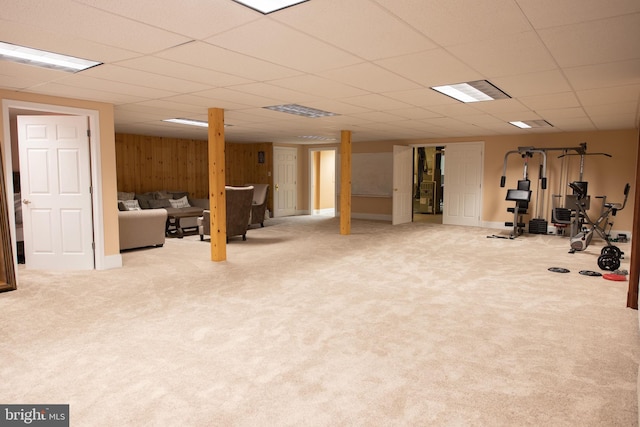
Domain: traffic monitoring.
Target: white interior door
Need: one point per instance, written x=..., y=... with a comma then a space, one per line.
x=463, y=184
x=402, y=184
x=285, y=166
x=55, y=179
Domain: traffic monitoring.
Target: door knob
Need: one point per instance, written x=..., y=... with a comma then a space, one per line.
x=277, y=187
x=25, y=201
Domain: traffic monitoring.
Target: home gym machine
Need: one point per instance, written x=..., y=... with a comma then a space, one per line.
x=570, y=214
x=610, y=255
x=522, y=194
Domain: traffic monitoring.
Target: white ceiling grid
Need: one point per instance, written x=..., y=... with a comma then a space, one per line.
x=574, y=63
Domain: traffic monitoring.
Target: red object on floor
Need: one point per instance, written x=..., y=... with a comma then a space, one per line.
x=615, y=277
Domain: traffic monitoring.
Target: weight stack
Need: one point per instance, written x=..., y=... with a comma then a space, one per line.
x=538, y=226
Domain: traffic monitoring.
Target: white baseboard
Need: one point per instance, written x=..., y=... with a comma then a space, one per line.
x=110, y=262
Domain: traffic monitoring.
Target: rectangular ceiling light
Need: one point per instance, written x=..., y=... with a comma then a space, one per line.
x=479, y=90
x=317, y=137
x=300, y=110
x=189, y=122
x=531, y=124
x=268, y=6
x=42, y=58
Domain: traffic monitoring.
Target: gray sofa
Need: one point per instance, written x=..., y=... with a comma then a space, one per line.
x=142, y=228
x=143, y=217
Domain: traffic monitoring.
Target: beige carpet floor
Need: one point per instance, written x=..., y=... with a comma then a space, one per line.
x=412, y=325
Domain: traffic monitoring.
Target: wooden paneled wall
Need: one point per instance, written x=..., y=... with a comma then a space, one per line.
x=150, y=163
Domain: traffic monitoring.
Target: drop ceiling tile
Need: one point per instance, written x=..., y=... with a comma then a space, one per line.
x=204, y=55
x=375, y=34
x=623, y=109
x=207, y=102
x=78, y=92
x=370, y=77
x=610, y=95
x=530, y=84
x=143, y=79
x=88, y=82
x=553, y=13
x=415, y=113
x=194, y=18
x=284, y=46
x=179, y=70
x=604, y=75
x=562, y=113
x=594, y=42
x=423, y=97
x=431, y=68
x=452, y=22
x=283, y=96
x=236, y=97
x=318, y=86
x=31, y=36
x=377, y=116
x=574, y=124
x=375, y=102
x=607, y=122
x=84, y=22
x=557, y=100
x=517, y=54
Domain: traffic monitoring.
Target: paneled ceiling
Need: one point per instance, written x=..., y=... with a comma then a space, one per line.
x=573, y=63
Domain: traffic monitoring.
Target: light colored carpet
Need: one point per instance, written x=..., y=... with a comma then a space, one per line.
x=412, y=325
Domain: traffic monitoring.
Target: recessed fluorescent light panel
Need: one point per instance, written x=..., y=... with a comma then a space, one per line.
x=532, y=124
x=317, y=137
x=300, y=110
x=189, y=122
x=42, y=58
x=268, y=6
x=479, y=90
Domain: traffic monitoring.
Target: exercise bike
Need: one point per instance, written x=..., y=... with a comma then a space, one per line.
x=610, y=255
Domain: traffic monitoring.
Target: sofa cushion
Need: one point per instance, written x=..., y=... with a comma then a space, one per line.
x=180, y=203
x=159, y=203
x=143, y=200
x=162, y=195
x=131, y=205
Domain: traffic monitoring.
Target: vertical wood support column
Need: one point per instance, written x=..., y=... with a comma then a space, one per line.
x=634, y=268
x=345, y=182
x=217, y=195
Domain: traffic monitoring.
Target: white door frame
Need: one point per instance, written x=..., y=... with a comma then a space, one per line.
x=312, y=188
x=95, y=160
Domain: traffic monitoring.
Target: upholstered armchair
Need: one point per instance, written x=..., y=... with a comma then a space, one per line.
x=238, y=204
x=259, y=204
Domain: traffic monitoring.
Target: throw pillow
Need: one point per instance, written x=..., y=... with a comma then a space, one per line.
x=180, y=203
x=131, y=205
x=175, y=195
x=160, y=203
x=121, y=206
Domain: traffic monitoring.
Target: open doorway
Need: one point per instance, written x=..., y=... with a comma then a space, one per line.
x=429, y=170
x=322, y=181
